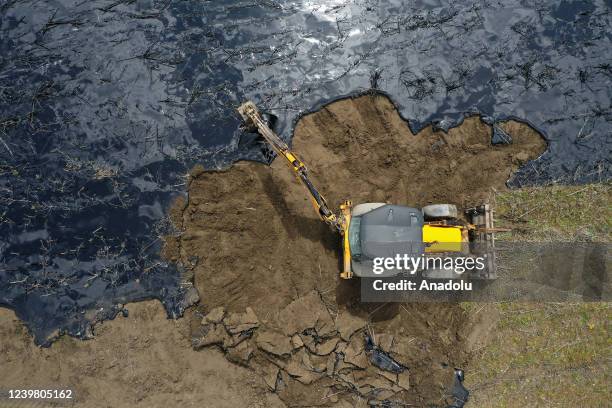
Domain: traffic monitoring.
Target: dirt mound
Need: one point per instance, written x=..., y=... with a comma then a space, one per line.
x=254, y=243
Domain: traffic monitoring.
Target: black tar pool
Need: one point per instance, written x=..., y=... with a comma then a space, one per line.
x=105, y=105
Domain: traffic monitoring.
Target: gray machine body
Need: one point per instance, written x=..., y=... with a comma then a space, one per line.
x=385, y=232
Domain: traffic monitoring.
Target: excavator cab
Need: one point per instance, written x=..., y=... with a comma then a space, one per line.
x=382, y=231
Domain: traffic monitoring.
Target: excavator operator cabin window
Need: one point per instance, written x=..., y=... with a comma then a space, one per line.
x=354, y=239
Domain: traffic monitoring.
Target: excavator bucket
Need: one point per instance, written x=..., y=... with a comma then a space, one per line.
x=246, y=110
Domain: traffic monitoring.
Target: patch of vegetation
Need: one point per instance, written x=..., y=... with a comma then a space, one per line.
x=545, y=355
x=548, y=354
x=561, y=213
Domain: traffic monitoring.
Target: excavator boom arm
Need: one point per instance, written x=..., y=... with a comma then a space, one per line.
x=251, y=115
x=341, y=223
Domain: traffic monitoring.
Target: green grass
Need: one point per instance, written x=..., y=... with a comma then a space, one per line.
x=556, y=213
x=545, y=355
x=548, y=354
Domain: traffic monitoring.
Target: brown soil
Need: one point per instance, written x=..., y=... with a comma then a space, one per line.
x=254, y=241
x=144, y=360
x=267, y=271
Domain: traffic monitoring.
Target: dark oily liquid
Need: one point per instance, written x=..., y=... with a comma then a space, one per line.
x=104, y=106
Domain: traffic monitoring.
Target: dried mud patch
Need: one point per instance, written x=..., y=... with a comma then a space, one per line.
x=256, y=247
x=143, y=360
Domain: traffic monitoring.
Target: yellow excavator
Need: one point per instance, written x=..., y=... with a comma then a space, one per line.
x=375, y=230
